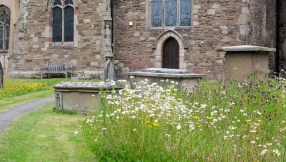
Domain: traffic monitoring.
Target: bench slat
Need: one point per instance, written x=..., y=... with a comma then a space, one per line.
x=57, y=68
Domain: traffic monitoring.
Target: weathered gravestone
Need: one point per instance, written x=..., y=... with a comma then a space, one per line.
x=186, y=80
x=245, y=60
x=81, y=96
x=1, y=76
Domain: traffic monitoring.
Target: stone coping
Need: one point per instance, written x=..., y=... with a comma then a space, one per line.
x=165, y=70
x=165, y=73
x=245, y=48
x=86, y=85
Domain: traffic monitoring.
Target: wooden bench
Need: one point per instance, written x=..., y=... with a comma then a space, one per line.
x=57, y=68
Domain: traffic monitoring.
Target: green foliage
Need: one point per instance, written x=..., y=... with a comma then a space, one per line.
x=245, y=122
x=62, y=111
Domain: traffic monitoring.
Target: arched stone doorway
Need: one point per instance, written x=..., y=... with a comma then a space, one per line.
x=159, y=48
x=171, y=54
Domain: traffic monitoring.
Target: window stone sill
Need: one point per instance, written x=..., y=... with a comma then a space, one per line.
x=61, y=44
x=4, y=52
x=170, y=28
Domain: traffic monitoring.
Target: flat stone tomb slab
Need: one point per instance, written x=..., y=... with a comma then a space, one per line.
x=186, y=80
x=80, y=96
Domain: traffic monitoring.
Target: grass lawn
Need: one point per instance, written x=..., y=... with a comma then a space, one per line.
x=44, y=135
x=20, y=91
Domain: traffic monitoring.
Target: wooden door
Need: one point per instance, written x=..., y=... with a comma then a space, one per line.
x=171, y=54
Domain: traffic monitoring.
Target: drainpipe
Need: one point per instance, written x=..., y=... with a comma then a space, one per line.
x=112, y=23
x=277, y=58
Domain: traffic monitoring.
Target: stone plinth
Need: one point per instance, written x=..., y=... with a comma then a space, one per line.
x=80, y=96
x=242, y=61
x=187, y=81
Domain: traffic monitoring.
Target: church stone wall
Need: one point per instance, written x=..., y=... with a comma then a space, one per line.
x=214, y=23
x=262, y=23
x=282, y=39
x=34, y=46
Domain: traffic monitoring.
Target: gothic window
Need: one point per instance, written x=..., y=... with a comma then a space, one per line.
x=4, y=30
x=170, y=13
x=63, y=21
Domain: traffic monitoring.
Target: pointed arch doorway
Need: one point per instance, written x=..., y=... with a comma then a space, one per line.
x=171, y=54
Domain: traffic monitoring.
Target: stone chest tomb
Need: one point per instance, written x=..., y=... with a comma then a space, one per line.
x=187, y=81
x=81, y=96
x=242, y=61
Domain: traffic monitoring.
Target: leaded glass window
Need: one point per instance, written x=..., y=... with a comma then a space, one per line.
x=57, y=24
x=4, y=30
x=170, y=13
x=7, y=36
x=69, y=24
x=63, y=21
x=1, y=37
x=156, y=13
x=185, y=13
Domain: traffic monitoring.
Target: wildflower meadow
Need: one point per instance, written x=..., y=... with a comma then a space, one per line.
x=244, y=122
x=13, y=87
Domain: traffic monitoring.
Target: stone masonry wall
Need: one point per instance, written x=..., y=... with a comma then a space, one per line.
x=214, y=23
x=282, y=39
x=34, y=42
x=262, y=23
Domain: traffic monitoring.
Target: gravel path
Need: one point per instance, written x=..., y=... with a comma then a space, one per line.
x=8, y=116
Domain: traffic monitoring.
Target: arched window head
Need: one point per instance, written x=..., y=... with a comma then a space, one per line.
x=4, y=17
x=63, y=21
x=57, y=2
x=4, y=28
x=69, y=2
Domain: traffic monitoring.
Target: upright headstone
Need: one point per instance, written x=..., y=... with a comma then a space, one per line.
x=109, y=69
x=1, y=76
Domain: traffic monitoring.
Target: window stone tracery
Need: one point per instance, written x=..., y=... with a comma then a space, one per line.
x=4, y=28
x=63, y=21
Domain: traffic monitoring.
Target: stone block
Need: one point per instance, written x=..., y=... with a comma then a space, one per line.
x=35, y=46
x=195, y=23
x=94, y=63
x=86, y=20
x=43, y=49
x=35, y=39
x=244, y=10
x=244, y=29
x=211, y=11
x=242, y=20
x=136, y=34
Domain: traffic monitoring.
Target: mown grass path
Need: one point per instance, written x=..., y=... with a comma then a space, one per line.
x=44, y=135
x=7, y=103
x=8, y=116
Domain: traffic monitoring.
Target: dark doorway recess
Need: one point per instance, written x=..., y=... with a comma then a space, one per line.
x=171, y=54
